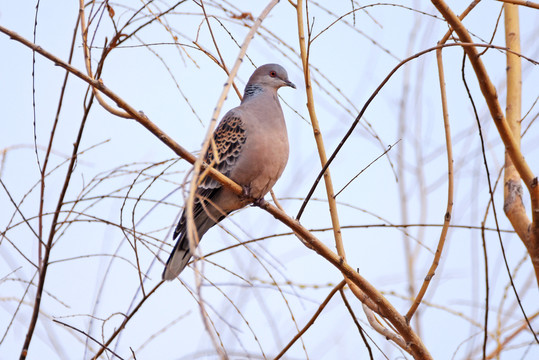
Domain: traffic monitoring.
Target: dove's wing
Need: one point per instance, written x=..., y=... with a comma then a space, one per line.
x=228, y=138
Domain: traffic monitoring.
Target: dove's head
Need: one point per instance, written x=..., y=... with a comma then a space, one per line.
x=271, y=75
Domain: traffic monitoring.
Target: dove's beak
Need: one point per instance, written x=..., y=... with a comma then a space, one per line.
x=289, y=83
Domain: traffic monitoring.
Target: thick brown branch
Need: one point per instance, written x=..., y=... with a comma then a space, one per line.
x=138, y=116
x=513, y=205
x=373, y=297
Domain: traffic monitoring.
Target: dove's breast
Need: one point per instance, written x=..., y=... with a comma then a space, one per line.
x=265, y=152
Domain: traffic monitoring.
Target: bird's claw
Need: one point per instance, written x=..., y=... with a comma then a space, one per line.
x=260, y=202
x=246, y=191
x=246, y=194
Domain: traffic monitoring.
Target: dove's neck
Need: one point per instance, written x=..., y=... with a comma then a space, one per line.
x=252, y=91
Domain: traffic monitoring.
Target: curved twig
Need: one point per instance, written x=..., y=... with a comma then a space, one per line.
x=450, y=181
x=86, y=51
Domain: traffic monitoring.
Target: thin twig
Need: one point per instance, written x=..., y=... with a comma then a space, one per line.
x=18, y=210
x=313, y=318
x=501, y=346
x=105, y=345
x=450, y=182
x=487, y=286
x=222, y=63
x=86, y=51
x=34, y=118
x=43, y=170
x=389, y=148
x=88, y=336
x=358, y=325
x=382, y=330
x=274, y=198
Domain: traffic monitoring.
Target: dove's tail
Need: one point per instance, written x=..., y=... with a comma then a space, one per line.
x=181, y=254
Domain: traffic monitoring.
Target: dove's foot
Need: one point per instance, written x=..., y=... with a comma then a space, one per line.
x=246, y=194
x=260, y=202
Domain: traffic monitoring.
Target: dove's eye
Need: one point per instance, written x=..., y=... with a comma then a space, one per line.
x=273, y=74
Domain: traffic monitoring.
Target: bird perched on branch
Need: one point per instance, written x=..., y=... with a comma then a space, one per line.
x=251, y=148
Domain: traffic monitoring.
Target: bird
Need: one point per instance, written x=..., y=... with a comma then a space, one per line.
x=250, y=146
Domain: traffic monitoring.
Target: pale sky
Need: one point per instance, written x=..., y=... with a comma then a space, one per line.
x=124, y=160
